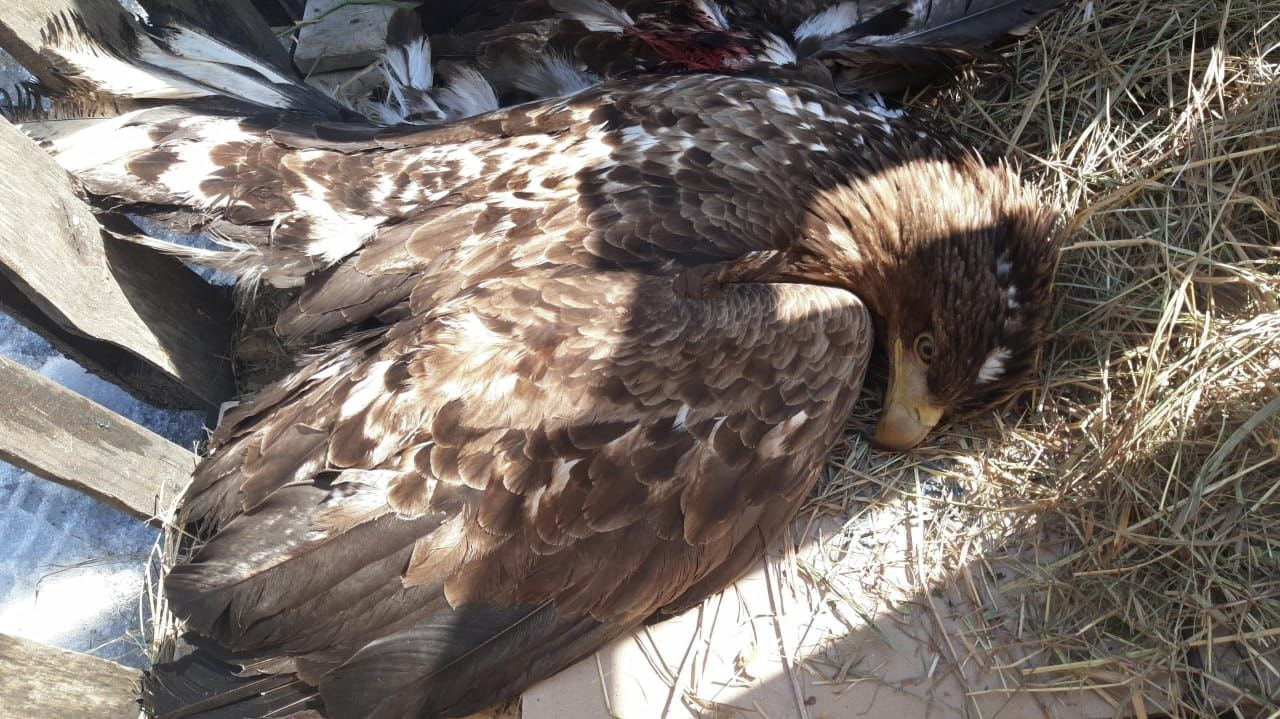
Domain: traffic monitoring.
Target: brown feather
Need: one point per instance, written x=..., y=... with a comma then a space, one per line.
x=593, y=353
x=588, y=355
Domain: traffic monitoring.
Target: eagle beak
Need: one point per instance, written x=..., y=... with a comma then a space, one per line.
x=909, y=413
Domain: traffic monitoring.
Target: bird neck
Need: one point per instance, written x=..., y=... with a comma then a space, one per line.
x=856, y=242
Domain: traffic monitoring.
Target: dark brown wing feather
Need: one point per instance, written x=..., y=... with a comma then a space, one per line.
x=865, y=46
x=561, y=422
x=543, y=500
x=595, y=169
x=939, y=39
x=551, y=436
x=577, y=380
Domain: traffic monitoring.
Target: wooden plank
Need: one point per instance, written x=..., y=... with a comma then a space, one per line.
x=48, y=683
x=340, y=35
x=132, y=315
x=56, y=434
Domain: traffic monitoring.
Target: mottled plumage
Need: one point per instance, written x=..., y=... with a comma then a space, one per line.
x=852, y=46
x=575, y=363
x=593, y=354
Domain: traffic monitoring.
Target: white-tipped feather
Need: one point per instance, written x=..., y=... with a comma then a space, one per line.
x=776, y=50
x=173, y=63
x=109, y=74
x=213, y=65
x=466, y=93
x=241, y=260
x=595, y=15
x=832, y=21
x=410, y=65
x=713, y=12
x=554, y=75
x=192, y=45
x=993, y=367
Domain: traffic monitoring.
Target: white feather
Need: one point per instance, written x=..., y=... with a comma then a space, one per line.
x=993, y=367
x=366, y=391
x=206, y=61
x=81, y=145
x=638, y=137
x=466, y=93
x=713, y=12
x=832, y=21
x=554, y=75
x=776, y=50
x=1011, y=298
x=772, y=443
x=1003, y=266
x=410, y=65
x=595, y=15
x=381, y=112
x=244, y=261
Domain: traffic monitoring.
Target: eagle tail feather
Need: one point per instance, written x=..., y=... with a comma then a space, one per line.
x=937, y=39
x=459, y=661
x=969, y=23
x=202, y=686
x=229, y=176
x=120, y=60
x=244, y=261
x=198, y=58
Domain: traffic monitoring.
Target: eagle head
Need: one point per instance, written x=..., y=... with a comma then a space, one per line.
x=954, y=257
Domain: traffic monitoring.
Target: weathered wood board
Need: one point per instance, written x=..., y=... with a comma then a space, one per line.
x=127, y=313
x=56, y=434
x=340, y=34
x=39, y=682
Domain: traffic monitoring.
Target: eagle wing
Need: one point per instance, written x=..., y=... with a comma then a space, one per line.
x=550, y=433
x=452, y=509
x=296, y=200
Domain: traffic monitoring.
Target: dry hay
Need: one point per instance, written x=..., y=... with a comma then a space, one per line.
x=1140, y=473
x=1143, y=468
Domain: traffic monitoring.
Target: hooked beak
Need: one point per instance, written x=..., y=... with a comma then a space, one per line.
x=909, y=413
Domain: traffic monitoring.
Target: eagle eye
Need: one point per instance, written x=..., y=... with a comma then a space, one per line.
x=924, y=347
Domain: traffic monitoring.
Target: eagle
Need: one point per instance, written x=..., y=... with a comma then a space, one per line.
x=571, y=364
